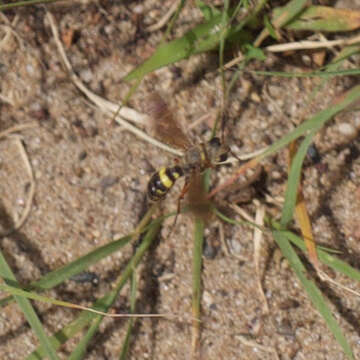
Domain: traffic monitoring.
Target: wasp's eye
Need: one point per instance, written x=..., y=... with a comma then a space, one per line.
x=215, y=142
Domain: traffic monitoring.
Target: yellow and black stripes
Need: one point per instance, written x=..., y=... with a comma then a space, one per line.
x=162, y=181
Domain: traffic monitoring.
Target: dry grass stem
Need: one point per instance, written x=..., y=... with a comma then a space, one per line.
x=241, y=212
x=303, y=45
x=258, y=240
x=24, y=215
x=234, y=61
x=17, y=128
x=254, y=344
x=165, y=19
x=323, y=276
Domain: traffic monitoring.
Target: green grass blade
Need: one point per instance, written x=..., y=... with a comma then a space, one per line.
x=28, y=310
x=101, y=304
x=312, y=291
x=321, y=73
x=294, y=180
x=328, y=259
x=288, y=12
x=197, y=262
x=208, y=11
x=326, y=19
x=58, y=276
x=80, y=350
x=196, y=280
x=223, y=24
x=24, y=3
x=33, y=296
x=287, y=215
x=324, y=255
x=282, y=16
x=131, y=321
x=69, y=331
x=202, y=38
x=315, y=122
x=84, y=262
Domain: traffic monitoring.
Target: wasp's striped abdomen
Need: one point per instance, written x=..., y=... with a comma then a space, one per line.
x=162, y=181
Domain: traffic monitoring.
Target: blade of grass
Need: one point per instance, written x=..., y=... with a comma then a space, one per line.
x=24, y=3
x=335, y=64
x=196, y=293
x=208, y=11
x=287, y=250
x=324, y=255
x=69, y=331
x=301, y=214
x=282, y=16
x=202, y=38
x=325, y=18
x=294, y=180
x=58, y=276
x=312, y=291
x=131, y=321
x=27, y=309
x=328, y=259
x=298, y=267
x=80, y=350
x=224, y=24
x=313, y=124
x=87, y=317
x=321, y=73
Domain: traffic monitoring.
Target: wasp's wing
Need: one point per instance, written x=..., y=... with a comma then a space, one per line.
x=197, y=199
x=166, y=128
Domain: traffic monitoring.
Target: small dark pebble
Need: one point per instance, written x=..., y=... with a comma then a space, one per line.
x=82, y=155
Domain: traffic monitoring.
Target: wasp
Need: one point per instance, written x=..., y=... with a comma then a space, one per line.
x=195, y=159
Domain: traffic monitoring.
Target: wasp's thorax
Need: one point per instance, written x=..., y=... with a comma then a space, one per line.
x=204, y=156
x=196, y=158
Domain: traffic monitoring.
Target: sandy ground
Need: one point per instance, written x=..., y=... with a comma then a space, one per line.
x=91, y=176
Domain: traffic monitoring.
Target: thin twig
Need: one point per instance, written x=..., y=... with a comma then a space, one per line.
x=234, y=61
x=17, y=128
x=258, y=239
x=165, y=18
x=9, y=29
x=302, y=45
x=241, y=212
x=30, y=198
x=323, y=276
x=244, y=340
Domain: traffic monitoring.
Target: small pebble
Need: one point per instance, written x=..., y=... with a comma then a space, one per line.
x=207, y=298
x=86, y=75
x=347, y=129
